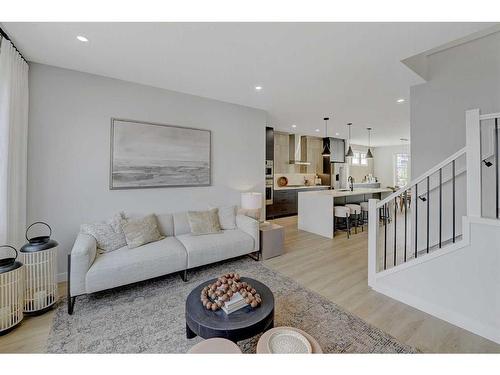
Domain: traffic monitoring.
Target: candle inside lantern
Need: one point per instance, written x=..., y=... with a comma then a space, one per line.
x=40, y=298
x=5, y=313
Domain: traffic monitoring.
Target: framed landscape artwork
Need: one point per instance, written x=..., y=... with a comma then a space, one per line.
x=148, y=155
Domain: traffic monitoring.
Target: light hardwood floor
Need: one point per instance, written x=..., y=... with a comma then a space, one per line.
x=336, y=269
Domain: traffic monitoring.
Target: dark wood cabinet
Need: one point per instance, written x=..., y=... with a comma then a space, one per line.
x=285, y=202
x=269, y=143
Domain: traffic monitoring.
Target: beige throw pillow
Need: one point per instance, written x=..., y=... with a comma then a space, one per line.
x=141, y=231
x=204, y=222
x=108, y=234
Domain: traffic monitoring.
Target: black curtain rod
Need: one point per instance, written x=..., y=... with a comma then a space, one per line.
x=4, y=34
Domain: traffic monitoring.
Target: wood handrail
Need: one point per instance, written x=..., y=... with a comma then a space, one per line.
x=422, y=177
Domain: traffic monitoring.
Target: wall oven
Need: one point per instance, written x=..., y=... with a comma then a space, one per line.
x=269, y=169
x=269, y=191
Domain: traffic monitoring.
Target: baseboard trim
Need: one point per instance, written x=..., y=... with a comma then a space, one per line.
x=487, y=331
x=62, y=277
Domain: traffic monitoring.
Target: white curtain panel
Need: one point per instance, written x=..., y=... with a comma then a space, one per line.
x=14, y=98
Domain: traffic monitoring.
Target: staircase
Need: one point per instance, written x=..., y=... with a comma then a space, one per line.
x=433, y=247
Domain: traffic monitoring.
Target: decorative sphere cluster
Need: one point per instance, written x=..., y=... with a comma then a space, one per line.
x=215, y=295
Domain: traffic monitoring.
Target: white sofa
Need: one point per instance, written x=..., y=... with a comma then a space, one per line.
x=89, y=272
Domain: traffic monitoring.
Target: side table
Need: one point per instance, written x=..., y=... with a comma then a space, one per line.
x=271, y=240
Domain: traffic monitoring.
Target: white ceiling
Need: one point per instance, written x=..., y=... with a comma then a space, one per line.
x=349, y=71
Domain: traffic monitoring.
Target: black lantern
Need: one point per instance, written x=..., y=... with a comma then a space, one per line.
x=11, y=292
x=40, y=260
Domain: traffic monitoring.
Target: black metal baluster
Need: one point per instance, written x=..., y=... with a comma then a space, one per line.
x=428, y=214
x=385, y=236
x=440, y=205
x=406, y=204
x=416, y=219
x=497, y=203
x=453, y=195
x=395, y=231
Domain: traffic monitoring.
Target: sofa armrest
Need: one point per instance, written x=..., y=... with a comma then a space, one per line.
x=251, y=227
x=82, y=256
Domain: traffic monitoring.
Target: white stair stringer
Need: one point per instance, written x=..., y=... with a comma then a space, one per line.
x=459, y=283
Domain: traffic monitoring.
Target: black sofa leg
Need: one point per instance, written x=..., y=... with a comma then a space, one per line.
x=184, y=275
x=71, y=304
x=71, y=300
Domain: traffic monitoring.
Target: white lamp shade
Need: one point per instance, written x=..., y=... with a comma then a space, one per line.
x=251, y=201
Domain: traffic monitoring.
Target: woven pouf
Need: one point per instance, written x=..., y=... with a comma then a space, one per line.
x=263, y=344
x=215, y=346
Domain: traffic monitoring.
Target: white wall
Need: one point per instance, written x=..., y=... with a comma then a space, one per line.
x=69, y=149
x=461, y=78
x=461, y=286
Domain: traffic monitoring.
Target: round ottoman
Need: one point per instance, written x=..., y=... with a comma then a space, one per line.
x=263, y=348
x=215, y=346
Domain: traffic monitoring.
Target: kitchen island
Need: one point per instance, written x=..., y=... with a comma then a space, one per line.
x=315, y=208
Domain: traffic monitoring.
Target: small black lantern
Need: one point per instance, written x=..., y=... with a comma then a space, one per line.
x=11, y=292
x=40, y=259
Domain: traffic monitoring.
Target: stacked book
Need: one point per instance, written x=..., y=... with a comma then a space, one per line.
x=234, y=304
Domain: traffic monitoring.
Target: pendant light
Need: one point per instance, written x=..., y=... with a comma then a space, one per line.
x=349, y=154
x=326, y=141
x=369, y=154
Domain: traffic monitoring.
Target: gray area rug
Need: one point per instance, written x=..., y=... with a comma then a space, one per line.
x=148, y=317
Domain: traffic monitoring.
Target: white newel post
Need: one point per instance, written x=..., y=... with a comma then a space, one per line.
x=372, y=240
x=473, y=143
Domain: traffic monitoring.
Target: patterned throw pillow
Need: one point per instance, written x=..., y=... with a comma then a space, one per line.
x=204, y=222
x=108, y=234
x=141, y=231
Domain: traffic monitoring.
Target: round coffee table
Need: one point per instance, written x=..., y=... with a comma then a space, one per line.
x=242, y=324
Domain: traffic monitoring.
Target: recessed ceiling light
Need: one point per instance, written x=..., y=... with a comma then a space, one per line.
x=336, y=133
x=258, y=88
x=400, y=100
x=317, y=130
x=294, y=126
x=81, y=38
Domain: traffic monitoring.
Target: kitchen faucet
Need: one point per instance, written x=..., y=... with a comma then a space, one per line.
x=350, y=180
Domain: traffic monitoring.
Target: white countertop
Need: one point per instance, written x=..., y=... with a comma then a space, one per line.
x=302, y=187
x=357, y=191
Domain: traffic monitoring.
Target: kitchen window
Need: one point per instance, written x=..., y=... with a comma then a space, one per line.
x=359, y=158
x=401, y=169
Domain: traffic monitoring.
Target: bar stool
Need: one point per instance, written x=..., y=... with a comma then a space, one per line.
x=342, y=212
x=355, y=215
x=364, y=212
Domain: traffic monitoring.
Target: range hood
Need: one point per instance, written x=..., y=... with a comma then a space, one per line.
x=297, y=148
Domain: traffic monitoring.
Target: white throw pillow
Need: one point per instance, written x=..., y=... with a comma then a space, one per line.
x=108, y=234
x=227, y=217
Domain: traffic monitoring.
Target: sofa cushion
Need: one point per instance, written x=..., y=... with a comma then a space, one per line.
x=125, y=266
x=214, y=247
x=227, y=217
x=181, y=223
x=166, y=224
